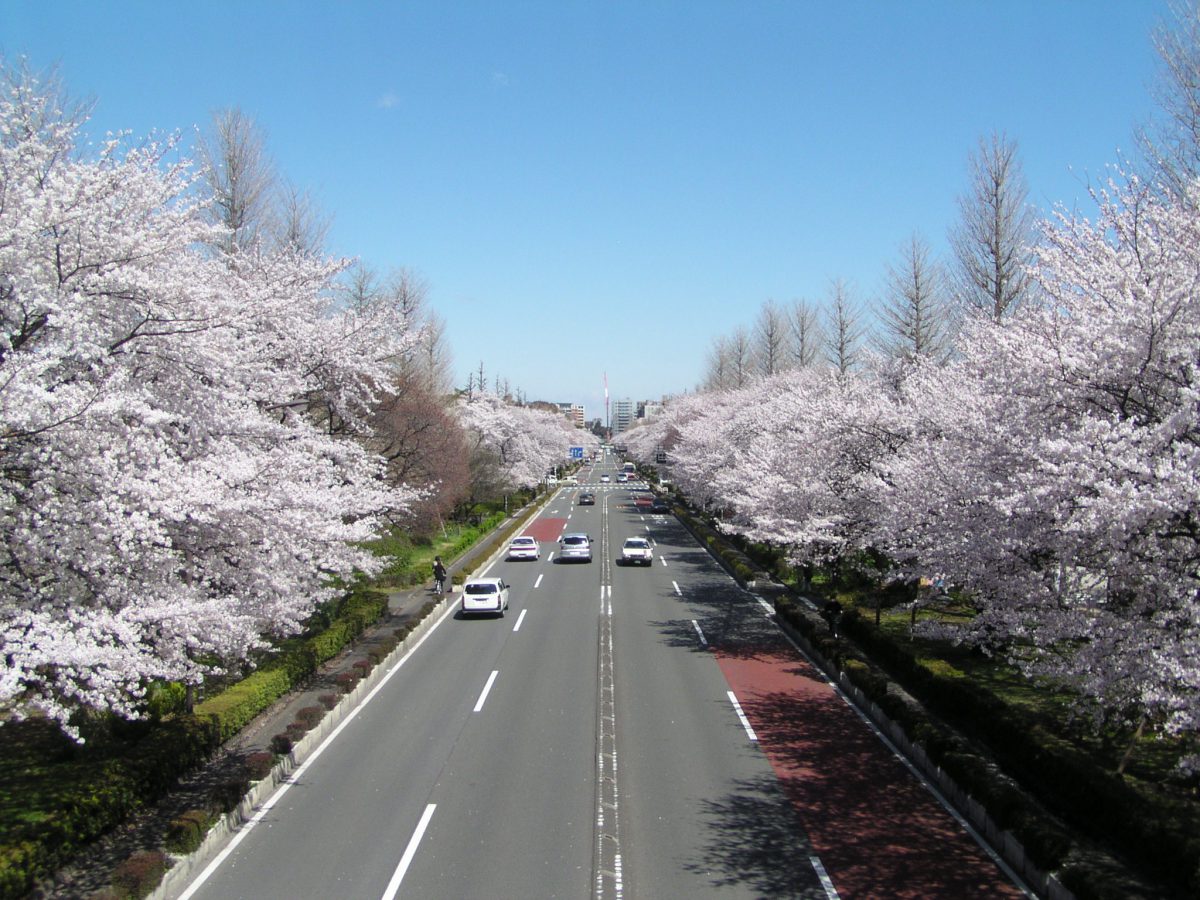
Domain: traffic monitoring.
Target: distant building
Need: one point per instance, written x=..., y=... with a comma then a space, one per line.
x=649, y=409
x=574, y=412
x=623, y=414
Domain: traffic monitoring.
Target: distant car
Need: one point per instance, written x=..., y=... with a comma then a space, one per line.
x=643, y=501
x=620, y=478
x=524, y=547
x=484, y=595
x=587, y=499
x=575, y=546
x=660, y=505
x=636, y=551
x=605, y=478
x=571, y=479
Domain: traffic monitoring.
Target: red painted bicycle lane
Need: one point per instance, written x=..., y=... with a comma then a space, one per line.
x=545, y=529
x=877, y=830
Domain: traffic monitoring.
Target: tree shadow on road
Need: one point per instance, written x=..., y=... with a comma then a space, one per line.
x=757, y=842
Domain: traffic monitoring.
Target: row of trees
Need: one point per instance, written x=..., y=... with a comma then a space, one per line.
x=1043, y=460
x=202, y=418
x=1048, y=470
x=923, y=301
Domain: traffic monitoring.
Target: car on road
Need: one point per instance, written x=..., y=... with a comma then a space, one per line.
x=575, y=547
x=484, y=595
x=643, y=501
x=636, y=551
x=587, y=499
x=660, y=505
x=620, y=478
x=524, y=547
x=571, y=479
x=605, y=478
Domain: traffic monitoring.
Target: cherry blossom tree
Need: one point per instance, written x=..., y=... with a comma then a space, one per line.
x=167, y=501
x=523, y=442
x=1054, y=471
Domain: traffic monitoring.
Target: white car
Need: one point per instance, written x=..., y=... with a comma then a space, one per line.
x=605, y=478
x=484, y=595
x=637, y=551
x=524, y=547
x=575, y=546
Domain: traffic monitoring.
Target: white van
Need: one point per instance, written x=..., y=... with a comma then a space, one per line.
x=484, y=595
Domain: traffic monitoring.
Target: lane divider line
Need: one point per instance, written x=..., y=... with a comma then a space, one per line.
x=823, y=876
x=700, y=633
x=538, y=583
x=675, y=584
x=486, y=690
x=409, y=852
x=520, y=619
x=737, y=708
x=300, y=771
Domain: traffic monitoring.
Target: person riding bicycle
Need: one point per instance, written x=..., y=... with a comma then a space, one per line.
x=439, y=575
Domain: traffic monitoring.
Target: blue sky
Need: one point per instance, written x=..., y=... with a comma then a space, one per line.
x=607, y=187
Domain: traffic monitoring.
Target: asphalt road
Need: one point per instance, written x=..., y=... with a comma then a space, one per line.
x=591, y=742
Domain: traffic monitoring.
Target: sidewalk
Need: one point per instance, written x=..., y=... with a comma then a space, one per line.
x=91, y=871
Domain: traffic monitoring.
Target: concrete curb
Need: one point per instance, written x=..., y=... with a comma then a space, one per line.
x=1002, y=843
x=184, y=868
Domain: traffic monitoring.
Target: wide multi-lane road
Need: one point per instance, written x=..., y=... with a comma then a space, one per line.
x=620, y=732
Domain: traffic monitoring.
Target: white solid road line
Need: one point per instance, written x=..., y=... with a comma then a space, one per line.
x=826, y=881
x=737, y=708
x=486, y=689
x=409, y=852
x=295, y=777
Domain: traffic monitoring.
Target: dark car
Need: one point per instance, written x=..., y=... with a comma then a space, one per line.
x=586, y=499
x=660, y=505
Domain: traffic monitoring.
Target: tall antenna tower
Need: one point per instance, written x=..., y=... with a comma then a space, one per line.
x=607, y=420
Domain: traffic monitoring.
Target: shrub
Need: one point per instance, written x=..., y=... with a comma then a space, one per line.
x=329, y=701
x=346, y=681
x=260, y=764
x=296, y=730
x=310, y=715
x=141, y=873
x=227, y=795
x=281, y=744
x=363, y=667
x=186, y=832
x=377, y=654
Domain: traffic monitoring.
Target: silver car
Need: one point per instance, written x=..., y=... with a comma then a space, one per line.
x=575, y=547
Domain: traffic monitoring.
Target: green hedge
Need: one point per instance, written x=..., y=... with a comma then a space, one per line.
x=98, y=796
x=1155, y=831
x=1159, y=835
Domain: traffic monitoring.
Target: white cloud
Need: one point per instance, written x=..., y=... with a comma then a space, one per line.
x=387, y=101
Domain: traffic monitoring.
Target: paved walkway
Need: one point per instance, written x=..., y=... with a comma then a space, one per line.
x=91, y=871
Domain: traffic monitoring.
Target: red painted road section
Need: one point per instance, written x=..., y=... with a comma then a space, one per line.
x=545, y=529
x=877, y=830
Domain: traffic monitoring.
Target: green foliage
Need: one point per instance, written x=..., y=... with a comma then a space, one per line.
x=165, y=698
x=56, y=796
x=186, y=832
x=138, y=876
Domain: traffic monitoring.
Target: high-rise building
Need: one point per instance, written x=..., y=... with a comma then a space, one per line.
x=624, y=412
